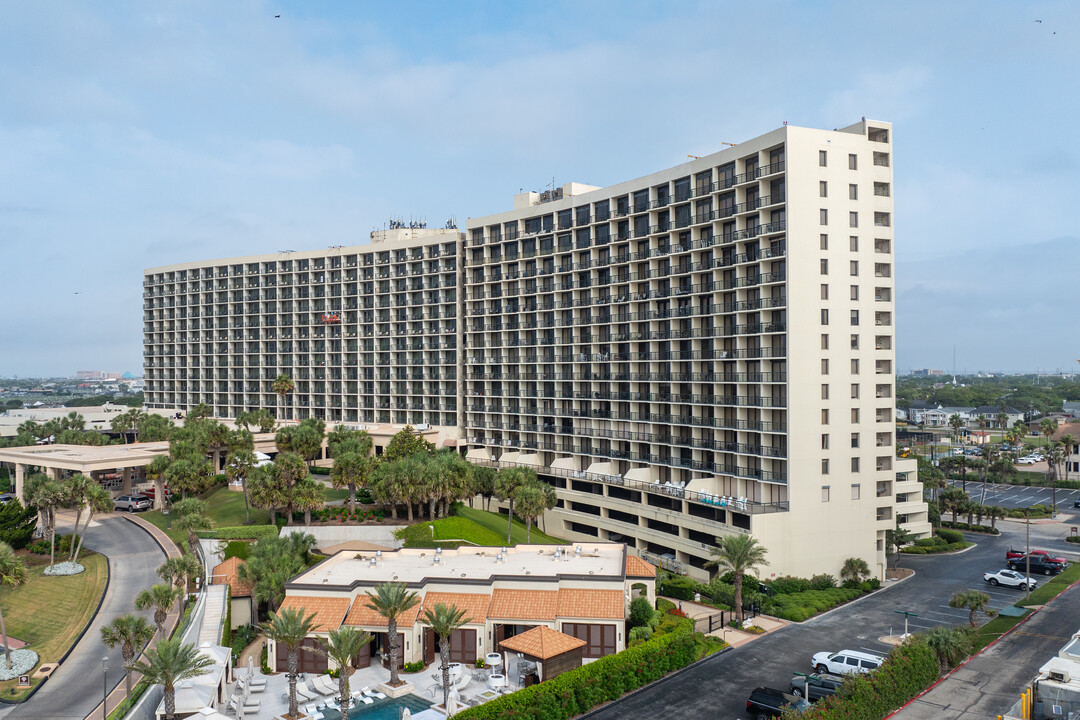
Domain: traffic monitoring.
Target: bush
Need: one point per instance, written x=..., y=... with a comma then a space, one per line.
x=316, y=470
x=638, y=635
x=641, y=613
x=787, y=584
x=1073, y=539
x=930, y=542
x=678, y=587
x=583, y=688
x=242, y=532
x=41, y=547
x=663, y=605
x=17, y=524
x=413, y=667
x=822, y=582
x=802, y=605
x=870, y=585
x=949, y=536
x=909, y=669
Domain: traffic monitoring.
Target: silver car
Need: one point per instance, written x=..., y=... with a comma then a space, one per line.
x=133, y=503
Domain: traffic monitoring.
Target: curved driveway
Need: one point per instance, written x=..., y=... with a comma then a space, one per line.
x=76, y=687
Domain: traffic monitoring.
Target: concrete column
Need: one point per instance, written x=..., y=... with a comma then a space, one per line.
x=127, y=480
x=57, y=473
x=19, y=472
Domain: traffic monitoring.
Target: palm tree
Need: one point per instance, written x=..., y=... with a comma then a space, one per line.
x=1055, y=456
x=994, y=512
x=98, y=499
x=171, y=662
x=161, y=598
x=238, y=465
x=950, y=644
x=156, y=471
x=283, y=385
x=443, y=621
x=179, y=571
x=12, y=574
x=342, y=646
x=855, y=569
x=974, y=602
x=131, y=633
x=309, y=494
x=1068, y=442
x=952, y=501
x=507, y=481
x=268, y=491
x=956, y=423
x=76, y=489
x=531, y=502
x=193, y=517
x=390, y=600
x=289, y=628
x=353, y=463
x=739, y=554
x=45, y=494
x=1048, y=426
x=1003, y=421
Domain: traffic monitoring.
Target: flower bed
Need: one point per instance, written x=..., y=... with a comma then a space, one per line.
x=64, y=568
x=22, y=662
x=339, y=515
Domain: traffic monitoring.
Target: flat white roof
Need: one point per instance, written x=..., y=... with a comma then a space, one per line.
x=418, y=565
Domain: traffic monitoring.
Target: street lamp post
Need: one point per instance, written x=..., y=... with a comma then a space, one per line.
x=104, y=688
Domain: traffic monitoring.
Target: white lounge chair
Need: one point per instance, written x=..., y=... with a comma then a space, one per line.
x=257, y=681
x=360, y=697
x=373, y=693
x=304, y=692
x=463, y=682
x=243, y=685
x=324, y=685
x=249, y=706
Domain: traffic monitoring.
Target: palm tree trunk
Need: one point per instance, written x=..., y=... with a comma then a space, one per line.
x=444, y=655
x=7, y=650
x=391, y=641
x=352, y=497
x=738, y=598
x=307, y=516
x=86, y=527
x=528, y=529
x=129, y=657
x=75, y=530
x=273, y=516
x=431, y=508
x=247, y=508
x=294, y=709
x=343, y=691
x=170, y=703
x=509, y=520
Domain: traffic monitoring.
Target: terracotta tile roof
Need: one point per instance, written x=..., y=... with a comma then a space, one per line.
x=329, y=611
x=636, y=567
x=226, y=574
x=363, y=615
x=542, y=643
x=524, y=604
x=475, y=605
x=580, y=603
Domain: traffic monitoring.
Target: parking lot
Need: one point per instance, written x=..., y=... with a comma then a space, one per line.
x=1018, y=496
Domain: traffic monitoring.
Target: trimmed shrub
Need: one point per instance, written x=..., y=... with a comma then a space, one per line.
x=787, y=585
x=413, y=667
x=822, y=582
x=641, y=613
x=800, y=606
x=664, y=605
x=241, y=532
x=949, y=536
x=638, y=635
x=316, y=470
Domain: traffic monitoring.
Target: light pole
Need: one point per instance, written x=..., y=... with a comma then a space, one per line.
x=104, y=688
x=906, y=615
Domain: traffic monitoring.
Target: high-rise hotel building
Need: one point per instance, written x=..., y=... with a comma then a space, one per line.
x=702, y=351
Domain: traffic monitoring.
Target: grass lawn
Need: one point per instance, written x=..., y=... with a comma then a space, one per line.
x=226, y=509
x=69, y=604
x=1040, y=596
x=472, y=525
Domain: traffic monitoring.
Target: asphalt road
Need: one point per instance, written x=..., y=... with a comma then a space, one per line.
x=77, y=686
x=718, y=687
x=1018, y=496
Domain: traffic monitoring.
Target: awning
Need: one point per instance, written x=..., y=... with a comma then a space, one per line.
x=529, y=459
x=478, y=453
x=602, y=468
x=510, y=456
x=643, y=474
x=565, y=463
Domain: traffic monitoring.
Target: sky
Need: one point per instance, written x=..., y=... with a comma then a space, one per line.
x=134, y=135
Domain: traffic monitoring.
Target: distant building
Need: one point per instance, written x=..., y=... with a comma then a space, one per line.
x=927, y=372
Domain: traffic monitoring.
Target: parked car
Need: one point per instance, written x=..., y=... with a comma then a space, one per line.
x=1009, y=578
x=815, y=687
x=769, y=703
x=1026, y=460
x=1038, y=564
x=845, y=661
x=1012, y=553
x=1076, y=503
x=133, y=503
x=5, y=498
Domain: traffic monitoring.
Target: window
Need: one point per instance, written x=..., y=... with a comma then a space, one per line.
x=855, y=391
x=854, y=317
x=825, y=441
x=855, y=415
x=823, y=216
x=881, y=219
x=854, y=464
x=882, y=270
x=824, y=316
x=855, y=440
x=853, y=219
x=824, y=266
x=853, y=191
x=854, y=292
x=824, y=366
x=853, y=268
x=824, y=291
x=824, y=241
x=881, y=189
x=823, y=189
x=854, y=342
x=825, y=417
x=824, y=341
x=853, y=241
x=881, y=159
x=823, y=158
x=824, y=391
x=856, y=491
x=882, y=246
x=854, y=366
x=853, y=161
x=824, y=488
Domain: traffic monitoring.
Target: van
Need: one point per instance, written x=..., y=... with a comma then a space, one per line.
x=845, y=662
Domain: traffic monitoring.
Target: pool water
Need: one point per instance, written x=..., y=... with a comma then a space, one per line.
x=388, y=709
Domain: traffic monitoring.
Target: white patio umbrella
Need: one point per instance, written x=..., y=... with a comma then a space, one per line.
x=451, y=703
x=406, y=714
x=251, y=668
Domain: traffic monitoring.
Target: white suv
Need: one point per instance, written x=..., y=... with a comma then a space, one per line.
x=845, y=662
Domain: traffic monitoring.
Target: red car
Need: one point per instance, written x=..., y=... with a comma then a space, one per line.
x=1012, y=554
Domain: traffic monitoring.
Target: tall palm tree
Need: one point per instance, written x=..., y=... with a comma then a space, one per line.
x=98, y=500
x=507, y=481
x=443, y=621
x=161, y=599
x=76, y=490
x=238, y=465
x=289, y=628
x=1055, y=456
x=1003, y=421
x=268, y=491
x=955, y=422
x=390, y=600
x=974, y=602
x=131, y=633
x=739, y=554
x=169, y=663
x=156, y=471
x=283, y=385
x=342, y=646
x=46, y=495
x=1068, y=442
x=179, y=571
x=12, y=574
x=309, y=494
x=193, y=517
x=531, y=503
x=352, y=467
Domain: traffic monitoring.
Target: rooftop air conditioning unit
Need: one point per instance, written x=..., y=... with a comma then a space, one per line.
x=1060, y=675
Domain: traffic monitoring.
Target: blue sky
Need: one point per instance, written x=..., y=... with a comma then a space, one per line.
x=138, y=134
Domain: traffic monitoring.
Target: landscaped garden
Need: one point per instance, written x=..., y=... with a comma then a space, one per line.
x=471, y=526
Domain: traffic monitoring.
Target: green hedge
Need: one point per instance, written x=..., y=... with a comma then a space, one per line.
x=681, y=587
x=909, y=669
x=951, y=547
x=317, y=470
x=238, y=549
x=241, y=532
x=802, y=605
x=583, y=688
x=226, y=630
x=949, y=536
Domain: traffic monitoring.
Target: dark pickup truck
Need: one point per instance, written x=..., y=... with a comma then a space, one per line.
x=1040, y=565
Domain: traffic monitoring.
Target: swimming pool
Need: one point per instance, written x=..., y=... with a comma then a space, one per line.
x=389, y=709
